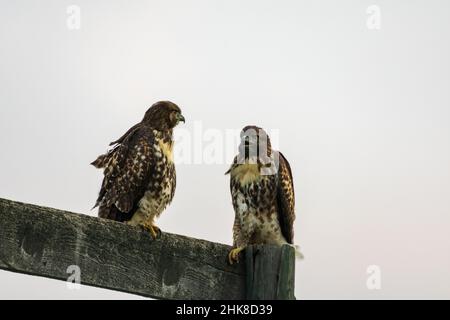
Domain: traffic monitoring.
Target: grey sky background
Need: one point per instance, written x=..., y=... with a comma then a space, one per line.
x=363, y=117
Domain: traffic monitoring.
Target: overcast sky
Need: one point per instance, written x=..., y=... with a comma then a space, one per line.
x=362, y=114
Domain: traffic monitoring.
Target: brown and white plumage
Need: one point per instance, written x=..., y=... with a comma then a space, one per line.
x=139, y=173
x=262, y=192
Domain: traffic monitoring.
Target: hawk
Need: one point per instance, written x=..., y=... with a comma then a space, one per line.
x=139, y=173
x=262, y=192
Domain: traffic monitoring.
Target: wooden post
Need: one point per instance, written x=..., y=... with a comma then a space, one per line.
x=270, y=272
x=47, y=242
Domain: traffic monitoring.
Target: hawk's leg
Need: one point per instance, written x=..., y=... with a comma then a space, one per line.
x=145, y=222
x=233, y=255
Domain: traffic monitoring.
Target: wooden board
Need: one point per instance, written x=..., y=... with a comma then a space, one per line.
x=45, y=242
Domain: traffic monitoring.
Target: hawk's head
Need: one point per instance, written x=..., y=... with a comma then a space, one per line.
x=255, y=143
x=163, y=115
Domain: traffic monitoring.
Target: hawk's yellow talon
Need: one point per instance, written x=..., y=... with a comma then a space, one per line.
x=233, y=256
x=155, y=232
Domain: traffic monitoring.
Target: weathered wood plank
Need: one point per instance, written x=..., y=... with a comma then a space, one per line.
x=270, y=272
x=44, y=242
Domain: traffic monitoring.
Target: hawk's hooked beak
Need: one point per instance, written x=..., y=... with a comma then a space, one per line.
x=180, y=117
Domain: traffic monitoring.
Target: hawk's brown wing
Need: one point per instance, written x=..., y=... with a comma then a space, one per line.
x=286, y=199
x=127, y=170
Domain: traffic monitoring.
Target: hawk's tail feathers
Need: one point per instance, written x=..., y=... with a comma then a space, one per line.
x=298, y=254
x=111, y=212
x=97, y=203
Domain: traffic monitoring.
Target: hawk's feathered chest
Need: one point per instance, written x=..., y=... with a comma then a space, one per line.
x=162, y=180
x=258, y=190
x=263, y=204
x=254, y=201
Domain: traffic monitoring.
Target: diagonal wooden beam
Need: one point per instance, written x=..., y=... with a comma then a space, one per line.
x=45, y=242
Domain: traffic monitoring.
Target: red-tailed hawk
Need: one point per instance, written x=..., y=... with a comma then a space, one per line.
x=139, y=173
x=262, y=192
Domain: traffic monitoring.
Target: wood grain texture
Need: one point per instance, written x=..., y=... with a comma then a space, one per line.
x=45, y=242
x=270, y=272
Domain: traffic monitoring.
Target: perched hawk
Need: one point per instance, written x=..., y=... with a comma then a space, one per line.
x=139, y=173
x=262, y=192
